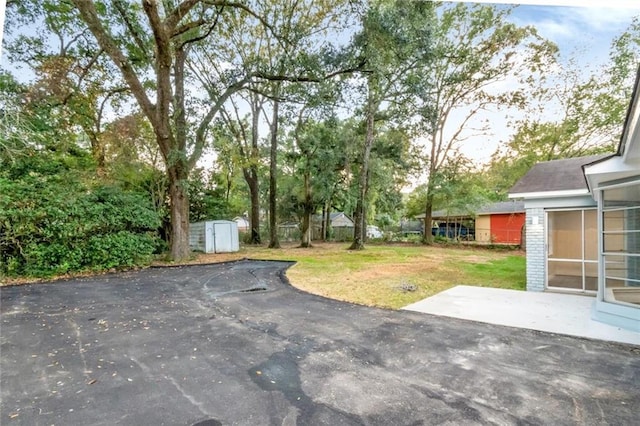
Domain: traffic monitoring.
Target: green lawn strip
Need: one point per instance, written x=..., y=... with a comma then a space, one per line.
x=508, y=273
x=393, y=276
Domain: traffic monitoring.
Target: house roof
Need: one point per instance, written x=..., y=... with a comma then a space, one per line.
x=333, y=216
x=446, y=214
x=556, y=175
x=626, y=163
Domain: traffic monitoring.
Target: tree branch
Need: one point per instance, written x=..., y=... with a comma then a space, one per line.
x=136, y=37
x=178, y=13
x=90, y=16
x=204, y=124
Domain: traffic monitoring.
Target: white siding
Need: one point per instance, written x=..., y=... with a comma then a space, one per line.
x=196, y=236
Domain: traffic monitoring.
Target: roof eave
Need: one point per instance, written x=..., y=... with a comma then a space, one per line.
x=549, y=194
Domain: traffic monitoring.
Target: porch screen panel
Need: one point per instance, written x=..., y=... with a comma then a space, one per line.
x=572, y=249
x=565, y=232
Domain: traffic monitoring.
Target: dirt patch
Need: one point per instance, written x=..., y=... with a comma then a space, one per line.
x=202, y=258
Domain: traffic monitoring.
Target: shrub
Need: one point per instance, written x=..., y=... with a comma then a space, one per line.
x=54, y=220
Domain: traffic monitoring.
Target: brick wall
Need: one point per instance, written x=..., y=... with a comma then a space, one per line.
x=536, y=252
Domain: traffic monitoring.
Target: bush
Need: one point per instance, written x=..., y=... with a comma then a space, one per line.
x=52, y=221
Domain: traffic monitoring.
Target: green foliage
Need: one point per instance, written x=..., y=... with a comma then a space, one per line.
x=207, y=198
x=54, y=219
x=592, y=111
x=474, y=48
x=316, y=156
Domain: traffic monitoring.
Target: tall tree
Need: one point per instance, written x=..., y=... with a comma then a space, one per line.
x=393, y=160
x=271, y=62
x=317, y=161
x=267, y=64
x=150, y=45
x=474, y=48
x=395, y=38
x=73, y=76
x=244, y=130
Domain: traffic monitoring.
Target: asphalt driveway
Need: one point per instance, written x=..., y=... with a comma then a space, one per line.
x=235, y=344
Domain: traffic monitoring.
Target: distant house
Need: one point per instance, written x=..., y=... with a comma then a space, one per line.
x=340, y=220
x=341, y=227
x=583, y=225
x=243, y=223
x=289, y=231
x=500, y=223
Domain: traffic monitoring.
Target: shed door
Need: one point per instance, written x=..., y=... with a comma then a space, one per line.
x=572, y=250
x=222, y=237
x=209, y=238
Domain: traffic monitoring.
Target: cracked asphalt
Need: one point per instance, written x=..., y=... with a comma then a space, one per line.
x=235, y=344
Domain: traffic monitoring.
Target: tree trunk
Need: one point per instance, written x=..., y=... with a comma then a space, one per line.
x=358, y=243
x=251, y=176
x=306, y=217
x=179, y=214
x=306, y=230
x=327, y=220
x=97, y=151
x=427, y=238
x=274, y=242
x=323, y=230
x=358, y=234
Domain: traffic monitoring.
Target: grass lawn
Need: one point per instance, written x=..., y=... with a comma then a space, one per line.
x=380, y=274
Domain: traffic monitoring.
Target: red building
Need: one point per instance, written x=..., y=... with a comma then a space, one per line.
x=501, y=223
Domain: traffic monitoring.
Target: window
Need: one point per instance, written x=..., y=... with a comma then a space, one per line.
x=621, y=243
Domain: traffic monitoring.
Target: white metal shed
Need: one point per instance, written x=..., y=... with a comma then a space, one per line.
x=214, y=236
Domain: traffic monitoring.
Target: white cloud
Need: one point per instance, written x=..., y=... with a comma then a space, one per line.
x=553, y=30
x=620, y=4
x=602, y=19
x=558, y=23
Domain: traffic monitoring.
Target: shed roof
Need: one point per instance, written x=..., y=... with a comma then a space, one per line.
x=503, y=207
x=444, y=214
x=556, y=175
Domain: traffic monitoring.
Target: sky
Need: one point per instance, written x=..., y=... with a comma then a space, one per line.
x=3, y=5
x=583, y=31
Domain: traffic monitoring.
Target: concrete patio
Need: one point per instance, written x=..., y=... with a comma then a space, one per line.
x=560, y=313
